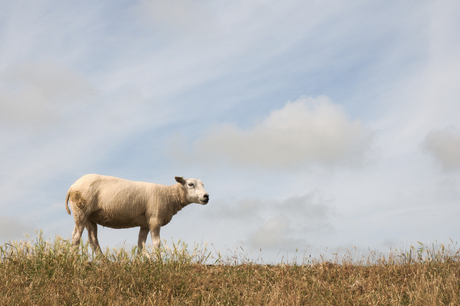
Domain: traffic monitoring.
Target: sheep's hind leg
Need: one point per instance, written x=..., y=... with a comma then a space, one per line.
x=80, y=219
x=76, y=234
x=143, y=233
x=91, y=226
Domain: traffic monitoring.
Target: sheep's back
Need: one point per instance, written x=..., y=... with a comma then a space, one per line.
x=119, y=199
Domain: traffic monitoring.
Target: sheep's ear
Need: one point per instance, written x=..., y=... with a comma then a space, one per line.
x=180, y=179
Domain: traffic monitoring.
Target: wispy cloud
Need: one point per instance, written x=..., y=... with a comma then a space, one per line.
x=213, y=79
x=176, y=16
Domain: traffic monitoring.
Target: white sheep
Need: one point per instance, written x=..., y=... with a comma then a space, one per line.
x=118, y=203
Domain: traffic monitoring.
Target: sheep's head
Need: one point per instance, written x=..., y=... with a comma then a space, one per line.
x=194, y=190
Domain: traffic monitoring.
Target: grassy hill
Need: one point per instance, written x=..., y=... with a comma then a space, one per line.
x=44, y=272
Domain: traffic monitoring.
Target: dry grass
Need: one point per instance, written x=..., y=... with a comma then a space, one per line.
x=53, y=273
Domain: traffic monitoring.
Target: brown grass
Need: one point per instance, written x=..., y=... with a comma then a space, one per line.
x=53, y=273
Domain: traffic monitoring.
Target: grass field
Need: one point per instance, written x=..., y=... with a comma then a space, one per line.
x=41, y=272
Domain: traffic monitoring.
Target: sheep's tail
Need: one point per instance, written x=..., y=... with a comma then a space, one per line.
x=67, y=202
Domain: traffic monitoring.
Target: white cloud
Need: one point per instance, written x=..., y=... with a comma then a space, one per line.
x=34, y=94
x=273, y=235
x=308, y=130
x=174, y=15
x=295, y=221
x=444, y=145
x=245, y=209
x=276, y=224
x=14, y=228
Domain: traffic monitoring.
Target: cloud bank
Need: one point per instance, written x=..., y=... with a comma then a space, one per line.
x=283, y=224
x=14, y=228
x=293, y=220
x=274, y=234
x=308, y=130
x=444, y=146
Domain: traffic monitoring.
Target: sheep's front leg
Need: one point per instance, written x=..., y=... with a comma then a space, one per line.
x=143, y=233
x=155, y=233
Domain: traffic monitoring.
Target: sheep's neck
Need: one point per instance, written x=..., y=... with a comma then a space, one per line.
x=177, y=198
x=174, y=200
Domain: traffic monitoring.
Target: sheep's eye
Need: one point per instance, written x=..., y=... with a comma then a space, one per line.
x=190, y=185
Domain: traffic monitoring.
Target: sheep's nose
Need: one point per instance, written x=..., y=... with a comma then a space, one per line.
x=206, y=196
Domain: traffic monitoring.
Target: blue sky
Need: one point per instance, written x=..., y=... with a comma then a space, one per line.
x=314, y=125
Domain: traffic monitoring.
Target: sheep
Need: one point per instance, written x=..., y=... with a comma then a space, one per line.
x=119, y=203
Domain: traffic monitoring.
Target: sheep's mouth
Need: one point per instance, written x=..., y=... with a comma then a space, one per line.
x=204, y=201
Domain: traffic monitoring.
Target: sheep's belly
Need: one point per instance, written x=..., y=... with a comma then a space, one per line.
x=102, y=218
